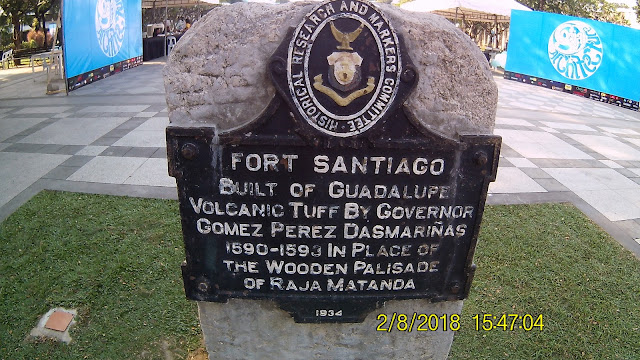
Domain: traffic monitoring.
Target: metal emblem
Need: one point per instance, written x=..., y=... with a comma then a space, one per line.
x=344, y=67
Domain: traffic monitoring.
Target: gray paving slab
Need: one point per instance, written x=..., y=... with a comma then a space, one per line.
x=633, y=141
x=44, y=110
x=70, y=149
x=539, y=144
x=514, y=180
x=105, y=141
x=568, y=126
x=551, y=185
x=536, y=173
x=116, y=151
x=611, y=164
x=153, y=172
x=77, y=161
x=615, y=205
x=19, y=170
x=161, y=153
x=504, y=162
x=144, y=152
x=144, y=191
x=151, y=133
x=65, y=131
x=50, y=148
x=513, y=122
x=156, y=123
x=26, y=148
x=107, y=169
x=117, y=132
x=92, y=150
x=132, y=123
x=60, y=172
x=143, y=138
x=521, y=162
x=147, y=114
x=615, y=130
x=591, y=179
x=611, y=148
x=10, y=126
x=101, y=109
x=506, y=151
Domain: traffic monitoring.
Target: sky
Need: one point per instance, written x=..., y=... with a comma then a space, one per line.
x=630, y=14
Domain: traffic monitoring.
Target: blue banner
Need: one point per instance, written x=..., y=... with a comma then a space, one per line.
x=581, y=52
x=99, y=33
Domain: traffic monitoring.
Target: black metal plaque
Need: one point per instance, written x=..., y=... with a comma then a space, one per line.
x=326, y=212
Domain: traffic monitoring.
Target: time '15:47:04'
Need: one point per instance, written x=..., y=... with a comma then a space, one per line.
x=507, y=322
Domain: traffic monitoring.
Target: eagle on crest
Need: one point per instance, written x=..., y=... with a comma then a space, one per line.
x=345, y=39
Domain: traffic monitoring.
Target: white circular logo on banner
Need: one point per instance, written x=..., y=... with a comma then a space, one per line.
x=110, y=26
x=575, y=50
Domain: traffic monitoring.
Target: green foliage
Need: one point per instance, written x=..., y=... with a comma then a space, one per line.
x=5, y=34
x=17, y=11
x=29, y=44
x=116, y=260
x=601, y=10
x=551, y=260
x=637, y=9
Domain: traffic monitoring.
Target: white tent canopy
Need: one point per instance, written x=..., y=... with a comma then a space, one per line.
x=149, y=4
x=470, y=10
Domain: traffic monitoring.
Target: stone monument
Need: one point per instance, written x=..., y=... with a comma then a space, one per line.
x=332, y=162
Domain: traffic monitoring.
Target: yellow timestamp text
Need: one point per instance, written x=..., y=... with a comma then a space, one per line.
x=452, y=322
x=418, y=322
x=507, y=322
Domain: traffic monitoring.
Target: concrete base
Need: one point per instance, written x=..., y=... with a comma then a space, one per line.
x=40, y=331
x=247, y=329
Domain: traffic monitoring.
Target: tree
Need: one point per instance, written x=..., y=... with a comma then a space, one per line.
x=42, y=7
x=5, y=35
x=601, y=10
x=17, y=9
x=637, y=9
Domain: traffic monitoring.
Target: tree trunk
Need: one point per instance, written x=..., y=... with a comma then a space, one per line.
x=17, y=39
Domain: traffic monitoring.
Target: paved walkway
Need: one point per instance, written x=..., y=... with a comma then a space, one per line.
x=108, y=138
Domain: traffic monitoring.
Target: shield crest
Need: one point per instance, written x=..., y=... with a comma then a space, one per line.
x=343, y=67
x=344, y=70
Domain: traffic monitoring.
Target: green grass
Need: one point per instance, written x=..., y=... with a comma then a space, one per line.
x=551, y=260
x=117, y=260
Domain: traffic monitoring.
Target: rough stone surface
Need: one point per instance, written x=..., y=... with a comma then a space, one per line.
x=259, y=329
x=456, y=92
x=217, y=73
x=217, y=76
